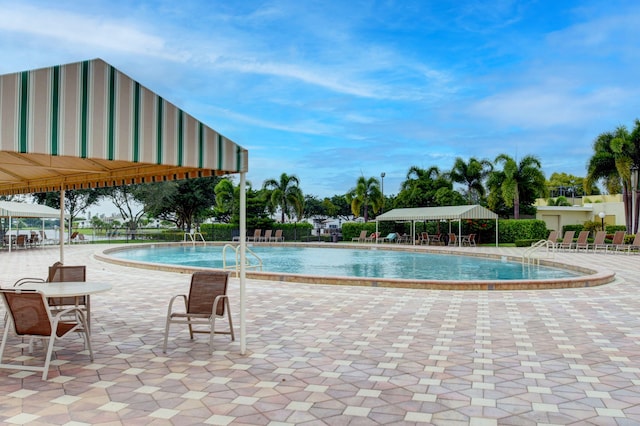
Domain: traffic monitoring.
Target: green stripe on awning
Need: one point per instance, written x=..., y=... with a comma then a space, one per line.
x=24, y=111
x=136, y=122
x=180, y=136
x=55, y=109
x=159, y=126
x=111, y=142
x=84, y=123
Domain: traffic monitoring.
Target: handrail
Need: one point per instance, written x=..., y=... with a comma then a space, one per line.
x=236, y=249
x=193, y=237
x=529, y=253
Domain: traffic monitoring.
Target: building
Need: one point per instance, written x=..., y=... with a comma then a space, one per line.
x=586, y=209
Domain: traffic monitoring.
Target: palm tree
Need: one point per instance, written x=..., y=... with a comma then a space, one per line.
x=284, y=193
x=366, y=194
x=615, y=153
x=518, y=183
x=472, y=175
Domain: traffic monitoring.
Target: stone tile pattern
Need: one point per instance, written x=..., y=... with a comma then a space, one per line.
x=335, y=355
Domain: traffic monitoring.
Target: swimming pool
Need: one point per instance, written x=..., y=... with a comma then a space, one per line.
x=132, y=256
x=323, y=261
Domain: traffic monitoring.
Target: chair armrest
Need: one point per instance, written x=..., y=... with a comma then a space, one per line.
x=28, y=280
x=170, y=309
x=216, y=301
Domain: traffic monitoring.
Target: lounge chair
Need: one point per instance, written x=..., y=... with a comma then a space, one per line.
x=567, y=241
x=391, y=237
x=435, y=239
x=424, y=238
x=207, y=300
x=634, y=245
x=267, y=236
x=372, y=238
x=453, y=240
x=361, y=238
x=582, y=241
x=278, y=236
x=256, y=235
x=403, y=239
x=598, y=241
x=29, y=316
x=618, y=239
x=553, y=239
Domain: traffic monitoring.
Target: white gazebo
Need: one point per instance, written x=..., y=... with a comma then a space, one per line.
x=446, y=213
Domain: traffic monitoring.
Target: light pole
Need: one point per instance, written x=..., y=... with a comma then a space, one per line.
x=382, y=175
x=634, y=187
x=602, y=215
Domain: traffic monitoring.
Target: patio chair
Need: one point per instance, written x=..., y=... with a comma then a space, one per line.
x=582, y=241
x=453, y=240
x=29, y=316
x=598, y=241
x=403, y=239
x=21, y=241
x=553, y=239
x=634, y=245
x=567, y=241
x=207, y=300
x=361, y=238
x=469, y=240
x=618, y=239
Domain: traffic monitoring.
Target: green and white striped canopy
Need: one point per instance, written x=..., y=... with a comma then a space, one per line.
x=86, y=124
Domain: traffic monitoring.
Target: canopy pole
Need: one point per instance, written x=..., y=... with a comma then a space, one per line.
x=496, y=232
x=243, y=257
x=62, y=226
x=459, y=232
x=10, y=240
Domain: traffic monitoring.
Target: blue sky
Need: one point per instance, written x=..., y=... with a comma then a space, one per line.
x=332, y=90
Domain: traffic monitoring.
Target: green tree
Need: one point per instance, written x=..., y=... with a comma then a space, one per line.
x=472, y=175
x=227, y=200
x=563, y=184
x=76, y=201
x=284, y=194
x=615, y=153
x=559, y=201
x=426, y=188
x=517, y=185
x=365, y=194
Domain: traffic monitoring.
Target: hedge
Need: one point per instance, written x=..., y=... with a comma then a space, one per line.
x=226, y=232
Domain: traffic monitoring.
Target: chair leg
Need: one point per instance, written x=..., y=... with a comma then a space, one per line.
x=233, y=336
x=47, y=361
x=166, y=335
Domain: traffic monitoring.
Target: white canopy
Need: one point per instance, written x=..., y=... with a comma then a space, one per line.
x=448, y=213
x=15, y=209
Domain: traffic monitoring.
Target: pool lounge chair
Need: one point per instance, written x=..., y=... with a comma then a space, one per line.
x=257, y=234
x=598, y=241
x=372, y=238
x=618, y=239
x=567, y=241
x=582, y=242
x=391, y=237
x=361, y=238
x=278, y=236
x=552, y=239
x=634, y=245
x=267, y=236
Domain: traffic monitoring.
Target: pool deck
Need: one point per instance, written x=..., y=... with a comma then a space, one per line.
x=336, y=355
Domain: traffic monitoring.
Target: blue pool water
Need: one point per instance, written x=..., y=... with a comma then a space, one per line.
x=327, y=262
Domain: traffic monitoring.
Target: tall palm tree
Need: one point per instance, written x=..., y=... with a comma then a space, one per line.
x=517, y=182
x=365, y=194
x=284, y=193
x=615, y=153
x=472, y=175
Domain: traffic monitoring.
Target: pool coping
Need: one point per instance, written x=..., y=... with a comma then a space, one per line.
x=591, y=277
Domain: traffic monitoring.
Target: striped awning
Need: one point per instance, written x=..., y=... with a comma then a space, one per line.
x=87, y=124
x=438, y=213
x=14, y=209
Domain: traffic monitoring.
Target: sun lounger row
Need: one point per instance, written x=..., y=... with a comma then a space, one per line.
x=599, y=243
x=269, y=236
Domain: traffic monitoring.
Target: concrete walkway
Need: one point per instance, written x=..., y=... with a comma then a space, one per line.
x=334, y=355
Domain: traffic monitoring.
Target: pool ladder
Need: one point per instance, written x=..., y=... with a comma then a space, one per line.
x=236, y=266
x=193, y=237
x=529, y=256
